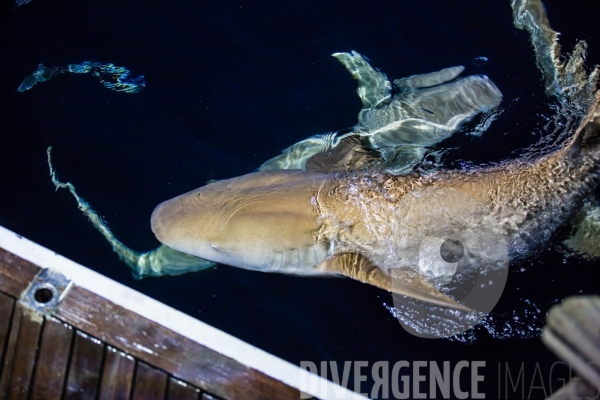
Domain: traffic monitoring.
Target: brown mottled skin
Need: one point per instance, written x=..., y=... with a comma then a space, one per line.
x=530, y=200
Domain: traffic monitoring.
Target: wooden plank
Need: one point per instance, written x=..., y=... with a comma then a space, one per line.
x=6, y=309
x=171, y=352
x=53, y=359
x=15, y=273
x=20, y=354
x=150, y=383
x=181, y=391
x=117, y=375
x=206, y=396
x=84, y=371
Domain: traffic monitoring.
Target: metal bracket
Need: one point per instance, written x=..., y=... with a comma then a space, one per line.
x=46, y=291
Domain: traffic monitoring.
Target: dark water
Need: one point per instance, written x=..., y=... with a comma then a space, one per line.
x=229, y=85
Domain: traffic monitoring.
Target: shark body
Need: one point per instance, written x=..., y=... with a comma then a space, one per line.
x=363, y=225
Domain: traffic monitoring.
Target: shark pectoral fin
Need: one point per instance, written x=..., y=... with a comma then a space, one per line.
x=411, y=284
x=357, y=267
x=373, y=86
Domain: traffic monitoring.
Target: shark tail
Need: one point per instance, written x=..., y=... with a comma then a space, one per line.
x=564, y=77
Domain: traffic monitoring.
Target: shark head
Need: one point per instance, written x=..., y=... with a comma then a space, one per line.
x=260, y=221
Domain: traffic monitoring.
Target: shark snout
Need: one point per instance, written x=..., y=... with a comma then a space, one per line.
x=185, y=223
x=158, y=222
x=170, y=220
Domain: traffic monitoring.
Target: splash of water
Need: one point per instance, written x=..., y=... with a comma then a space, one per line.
x=525, y=321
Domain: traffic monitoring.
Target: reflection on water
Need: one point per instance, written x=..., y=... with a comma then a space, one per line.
x=111, y=76
x=400, y=120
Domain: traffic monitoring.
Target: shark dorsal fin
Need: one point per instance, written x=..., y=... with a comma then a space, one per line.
x=357, y=267
x=373, y=86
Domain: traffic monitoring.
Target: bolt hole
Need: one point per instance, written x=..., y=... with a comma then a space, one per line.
x=43, y=295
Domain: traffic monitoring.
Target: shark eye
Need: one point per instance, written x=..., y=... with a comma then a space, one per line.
x=212, y=246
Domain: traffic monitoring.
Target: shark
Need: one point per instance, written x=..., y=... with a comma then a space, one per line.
x=350, y=203
x=359, y=225
x=396, y=124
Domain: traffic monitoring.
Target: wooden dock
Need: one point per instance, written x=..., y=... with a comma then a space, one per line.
x=66, y=332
